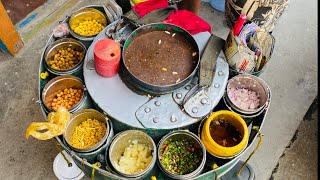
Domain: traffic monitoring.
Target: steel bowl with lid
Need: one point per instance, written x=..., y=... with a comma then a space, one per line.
x=251, y=83
x=64, y=43
x=86, y=14
x=182, y=135
x=51, y=89
x=81, y=116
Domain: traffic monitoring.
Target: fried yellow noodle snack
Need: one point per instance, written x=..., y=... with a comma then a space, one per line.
x=54, y=127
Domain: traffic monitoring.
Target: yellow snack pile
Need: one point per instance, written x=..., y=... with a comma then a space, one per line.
x=136, y=157
x=88, y=27
x=66, y=58
x=88, y=133
x=55, y=126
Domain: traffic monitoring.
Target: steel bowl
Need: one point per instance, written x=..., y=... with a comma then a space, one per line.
x=252, y=83
x=121, y=141
x=53, y=49
x=83, y=14
x=59, y=83
x=152, y=88
x=77, y=119
x=182, y=135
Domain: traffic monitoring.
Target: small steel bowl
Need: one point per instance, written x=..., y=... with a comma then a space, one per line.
x=59, y=83
x=53, y=49
x=182, y=135
x=252, y=83
x=83, y=14
x=122, y=141
x=77, y=119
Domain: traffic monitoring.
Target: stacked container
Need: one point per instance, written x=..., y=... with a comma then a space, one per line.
x=107, y=57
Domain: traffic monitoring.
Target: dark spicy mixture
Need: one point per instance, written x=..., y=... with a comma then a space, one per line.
x=180, y=157
x=224, y=133
x=160, y=57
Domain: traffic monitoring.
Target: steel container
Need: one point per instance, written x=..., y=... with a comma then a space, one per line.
x=81, y=15
x=121, y=141
x=252, y=83
x=247, y=118
x=151, y=88
x=53, y=49
x=91, y=153
x=183, y=135
x=59, y=83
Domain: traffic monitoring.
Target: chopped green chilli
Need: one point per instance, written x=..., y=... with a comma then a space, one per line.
x=180, y=157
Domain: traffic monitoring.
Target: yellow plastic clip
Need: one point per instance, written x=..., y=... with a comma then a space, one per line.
x=95, y=165
x=153, y=178
x=215, y=166
x=44, y=75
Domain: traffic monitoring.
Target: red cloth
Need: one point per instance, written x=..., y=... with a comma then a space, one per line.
x=188, y=21
x=183, y=18
x=145, y=7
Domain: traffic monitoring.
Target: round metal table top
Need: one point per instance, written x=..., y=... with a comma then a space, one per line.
x=121, y=103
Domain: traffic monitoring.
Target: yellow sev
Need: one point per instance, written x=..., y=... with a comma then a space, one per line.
x=88, y=133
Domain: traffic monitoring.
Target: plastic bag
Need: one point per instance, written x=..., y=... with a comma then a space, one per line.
x=62, y=30
x=55, y=126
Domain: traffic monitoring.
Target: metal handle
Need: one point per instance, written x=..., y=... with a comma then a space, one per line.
x=90, y=64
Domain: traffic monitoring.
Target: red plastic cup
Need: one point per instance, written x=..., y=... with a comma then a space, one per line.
x=107, y=54
x=107, y=71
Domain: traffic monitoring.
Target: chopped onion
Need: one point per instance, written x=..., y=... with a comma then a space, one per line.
x=244, y=98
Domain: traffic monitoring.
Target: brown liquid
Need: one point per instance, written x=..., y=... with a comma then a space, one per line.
x=224, y=133
x=162, y=63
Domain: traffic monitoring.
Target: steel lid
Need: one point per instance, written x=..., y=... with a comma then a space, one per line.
x=63, y=171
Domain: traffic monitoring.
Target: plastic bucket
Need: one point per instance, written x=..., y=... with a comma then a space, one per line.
x=216, y=149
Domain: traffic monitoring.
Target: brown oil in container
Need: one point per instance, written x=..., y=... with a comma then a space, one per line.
x=224, y=133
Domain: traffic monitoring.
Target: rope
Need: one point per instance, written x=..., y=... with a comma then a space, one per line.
x=95, y=165
x=60, y=150
x=215, y=166
x=259, y=143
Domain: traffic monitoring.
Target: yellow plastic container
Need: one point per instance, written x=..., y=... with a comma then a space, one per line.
x=235, y=120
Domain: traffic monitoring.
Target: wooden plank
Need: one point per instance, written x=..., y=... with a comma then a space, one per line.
x=10, y=41
x=18, y=10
